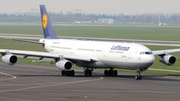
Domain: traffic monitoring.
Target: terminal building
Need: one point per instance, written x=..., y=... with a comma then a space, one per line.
x=103, y=20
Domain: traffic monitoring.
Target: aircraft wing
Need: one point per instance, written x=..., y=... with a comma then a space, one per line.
x=46, y=55
x=162, y=52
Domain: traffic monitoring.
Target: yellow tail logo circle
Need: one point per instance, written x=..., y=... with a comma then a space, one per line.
x=44, y=21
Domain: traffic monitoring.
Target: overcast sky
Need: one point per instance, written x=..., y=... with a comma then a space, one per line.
x=93, y=6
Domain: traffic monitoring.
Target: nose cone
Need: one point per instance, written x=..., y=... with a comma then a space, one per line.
x=148, y=60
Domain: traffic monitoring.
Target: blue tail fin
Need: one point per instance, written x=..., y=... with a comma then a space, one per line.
x=46, y=24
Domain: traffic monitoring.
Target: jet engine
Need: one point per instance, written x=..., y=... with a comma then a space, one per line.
x=168, y=59
x=10, y=59
x=64, y=64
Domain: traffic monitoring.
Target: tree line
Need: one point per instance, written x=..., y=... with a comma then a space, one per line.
x=93, y=18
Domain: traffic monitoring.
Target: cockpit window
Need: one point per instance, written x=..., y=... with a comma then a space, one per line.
x=148, y=53
x=141, y=52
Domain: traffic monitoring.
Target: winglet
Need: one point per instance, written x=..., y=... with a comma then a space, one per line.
x=46, y=24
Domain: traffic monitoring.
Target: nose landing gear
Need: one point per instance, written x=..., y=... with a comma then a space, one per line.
x=138, y=76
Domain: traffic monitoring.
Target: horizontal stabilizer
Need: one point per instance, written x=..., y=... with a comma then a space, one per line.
x=28, y=41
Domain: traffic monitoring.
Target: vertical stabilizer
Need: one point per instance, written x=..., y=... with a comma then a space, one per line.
x=46, y=24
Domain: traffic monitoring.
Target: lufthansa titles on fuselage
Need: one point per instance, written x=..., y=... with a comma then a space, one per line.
x=119, y=47
x=56, y=42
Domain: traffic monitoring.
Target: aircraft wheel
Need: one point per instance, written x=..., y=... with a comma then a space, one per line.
x=106, y=72
x=72, y=73
x=88, y=72
x=138, y=77
x=115, y=73
x=63, y=73
x=110, y=72
x=68, y=73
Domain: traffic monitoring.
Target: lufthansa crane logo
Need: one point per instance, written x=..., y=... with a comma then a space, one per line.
x=44, y=21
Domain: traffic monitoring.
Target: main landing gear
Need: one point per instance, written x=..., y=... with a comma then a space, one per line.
x=110, y=72
x=88, y=72
x=67, y=73
x=138, y=76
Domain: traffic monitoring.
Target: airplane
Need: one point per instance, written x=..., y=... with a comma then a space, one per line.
x=90, y=54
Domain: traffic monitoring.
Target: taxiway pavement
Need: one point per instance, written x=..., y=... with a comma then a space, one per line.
x=23, y=82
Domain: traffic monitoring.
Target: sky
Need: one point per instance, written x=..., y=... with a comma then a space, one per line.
x=93, y=6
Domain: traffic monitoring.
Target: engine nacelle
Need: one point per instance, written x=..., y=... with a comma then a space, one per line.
x=168, y=59
x=10, y=59
x=64, y=64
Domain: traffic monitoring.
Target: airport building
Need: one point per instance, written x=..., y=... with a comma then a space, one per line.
x=103, y=20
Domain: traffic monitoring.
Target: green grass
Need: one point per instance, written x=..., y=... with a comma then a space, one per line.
x=12, y=44
x=145, y=32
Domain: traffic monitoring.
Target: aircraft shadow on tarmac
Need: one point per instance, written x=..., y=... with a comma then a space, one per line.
x=130, y=77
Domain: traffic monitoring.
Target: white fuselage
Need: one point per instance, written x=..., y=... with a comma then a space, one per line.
x=108, y=54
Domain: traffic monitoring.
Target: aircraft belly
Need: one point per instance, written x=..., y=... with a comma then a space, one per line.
x=98, y=64
x=127, y=65
x=111, y=64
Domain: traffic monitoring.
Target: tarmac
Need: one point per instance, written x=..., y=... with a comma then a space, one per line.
x=22, y=82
